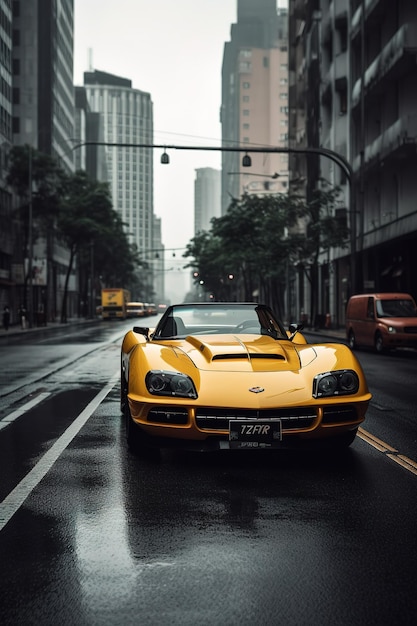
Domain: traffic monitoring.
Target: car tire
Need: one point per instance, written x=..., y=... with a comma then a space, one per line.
x=135, y=439
x=379, y=343
x=345, y=440
x=336, y=443
x=132, y=434
x=123, y=390
x=352, y=340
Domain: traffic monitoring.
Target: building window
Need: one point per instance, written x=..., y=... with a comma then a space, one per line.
x=245, y=112
x=245, y=98
x=246, y=85
x=265, y=62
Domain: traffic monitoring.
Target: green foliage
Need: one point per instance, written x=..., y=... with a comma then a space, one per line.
x=78, y=211
x=257, y=242
x=251, y=243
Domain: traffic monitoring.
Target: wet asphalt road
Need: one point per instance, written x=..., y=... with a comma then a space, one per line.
x=94, y=535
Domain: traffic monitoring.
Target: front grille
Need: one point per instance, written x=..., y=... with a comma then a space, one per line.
x=170, y=415
x=410, y=329
x=339, y=414
x=218, y=419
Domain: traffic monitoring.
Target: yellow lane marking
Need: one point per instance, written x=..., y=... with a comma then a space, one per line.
x=388, y=450
x=374, y=441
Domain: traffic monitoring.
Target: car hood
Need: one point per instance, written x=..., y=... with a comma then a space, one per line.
x=235, y=365
x=241, y=353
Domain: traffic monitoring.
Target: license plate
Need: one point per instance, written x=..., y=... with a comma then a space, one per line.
x=256, y=434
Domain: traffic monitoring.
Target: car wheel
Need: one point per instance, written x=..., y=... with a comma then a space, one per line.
x=132, y=434
x=336, y=442
x=379, y=344
x=345, y=440
x=136, y=439
x=123, y=390
x=352, y=340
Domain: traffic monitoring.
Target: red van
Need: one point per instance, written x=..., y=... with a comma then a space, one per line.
x=381, y=320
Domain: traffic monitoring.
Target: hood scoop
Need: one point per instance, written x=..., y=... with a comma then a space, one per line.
x=230, y=352
x=248, y=355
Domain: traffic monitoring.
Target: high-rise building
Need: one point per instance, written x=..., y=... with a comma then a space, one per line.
x=7, y=278
x=43, y=92
x=254, y=109
x=352, y=91
x=127, y=115
x=43, y=118
x=207, y=190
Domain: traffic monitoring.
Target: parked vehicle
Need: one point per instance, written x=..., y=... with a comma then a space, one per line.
x=229, y=376
x=114, y=303
x=151, y=308
x=136, y=309
x=381, y=320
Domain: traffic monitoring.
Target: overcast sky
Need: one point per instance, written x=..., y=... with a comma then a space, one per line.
x=172, y=49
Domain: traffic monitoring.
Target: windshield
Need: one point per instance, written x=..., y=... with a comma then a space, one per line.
x=219, y=318
x=396, y=308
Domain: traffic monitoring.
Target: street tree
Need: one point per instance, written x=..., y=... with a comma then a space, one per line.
x=75, y=210
x=92, y=230
x=37, y=181
x=251, y=243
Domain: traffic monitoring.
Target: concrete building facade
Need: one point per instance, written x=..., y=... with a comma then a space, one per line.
x=362, y=55
x=8, y=272
x=43, y=118
x=254, y=109
x=207, y=196
x=127, y=116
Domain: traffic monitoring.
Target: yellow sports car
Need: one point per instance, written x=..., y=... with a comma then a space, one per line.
x=229, y=376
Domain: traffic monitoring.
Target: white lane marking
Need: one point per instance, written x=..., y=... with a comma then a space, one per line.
x=389, y=451
x=23, y=409
x=15, y=499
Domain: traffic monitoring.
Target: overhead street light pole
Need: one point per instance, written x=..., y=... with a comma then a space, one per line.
x=337, y=158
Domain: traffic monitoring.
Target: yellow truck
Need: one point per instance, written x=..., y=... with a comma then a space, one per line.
x=114, y=303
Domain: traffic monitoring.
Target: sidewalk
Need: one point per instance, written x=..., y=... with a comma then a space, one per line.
x=50, y=328
x=336, y=333
x=57, y=327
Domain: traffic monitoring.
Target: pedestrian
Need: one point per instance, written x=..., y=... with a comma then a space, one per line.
x=6, y=318
x=22, y=316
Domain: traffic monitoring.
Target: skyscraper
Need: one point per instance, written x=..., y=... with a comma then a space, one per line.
x=127, y=115
x=206, y=198
x=6, y=236
x=43, y=118
x=43, y=100
x=254, y=110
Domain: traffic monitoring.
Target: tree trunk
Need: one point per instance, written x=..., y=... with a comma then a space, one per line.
x=67, y=277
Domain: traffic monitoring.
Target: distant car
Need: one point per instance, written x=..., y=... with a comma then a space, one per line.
x=151, y=308
x=135, y=309
x=229, y=376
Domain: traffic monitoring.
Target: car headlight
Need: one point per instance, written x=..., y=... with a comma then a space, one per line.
x=337, y=383
x=391, y=329
x=161, y=383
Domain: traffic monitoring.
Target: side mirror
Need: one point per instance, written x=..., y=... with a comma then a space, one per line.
x=141, y=330
x=294, y=329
